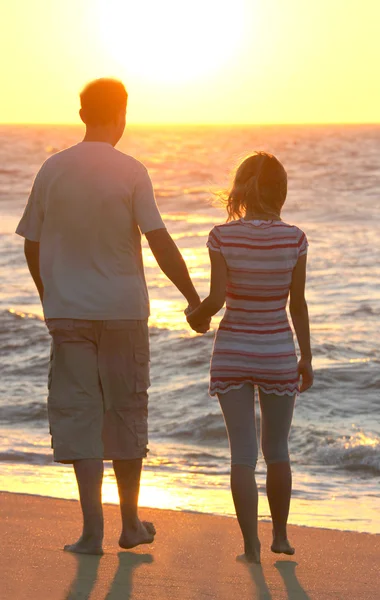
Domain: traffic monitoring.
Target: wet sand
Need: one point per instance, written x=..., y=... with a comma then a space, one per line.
x=192, y=558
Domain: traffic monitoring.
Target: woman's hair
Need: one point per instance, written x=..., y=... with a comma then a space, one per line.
x=260, y=185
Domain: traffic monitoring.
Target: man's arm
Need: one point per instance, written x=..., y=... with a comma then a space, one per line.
x=162, y=245
x=30, y=227
x=170, y=261
x=32, y=255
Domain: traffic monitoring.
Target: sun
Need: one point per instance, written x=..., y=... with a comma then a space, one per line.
x=171, y=40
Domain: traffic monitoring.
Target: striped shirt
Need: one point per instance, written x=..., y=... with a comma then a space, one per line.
x=254, y=343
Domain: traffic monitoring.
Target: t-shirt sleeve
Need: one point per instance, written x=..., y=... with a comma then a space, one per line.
x=214, y=241
x=145, y=208
x=302, y=244
x=30, y=226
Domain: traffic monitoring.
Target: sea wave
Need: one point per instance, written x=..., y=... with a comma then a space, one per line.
x=205, y=428
x=29, y=412
x=30, y=458
x=364, y=310
x=358, y=452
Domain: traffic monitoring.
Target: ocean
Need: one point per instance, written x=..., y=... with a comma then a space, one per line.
x=334, y=186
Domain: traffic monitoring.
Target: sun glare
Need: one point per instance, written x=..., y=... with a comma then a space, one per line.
x=168, y=40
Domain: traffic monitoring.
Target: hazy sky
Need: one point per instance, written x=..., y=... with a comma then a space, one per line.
x=198, y=61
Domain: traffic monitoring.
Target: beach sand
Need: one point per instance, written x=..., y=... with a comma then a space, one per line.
x=193, y=557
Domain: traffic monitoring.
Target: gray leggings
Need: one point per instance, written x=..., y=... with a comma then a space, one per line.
x=238, y=407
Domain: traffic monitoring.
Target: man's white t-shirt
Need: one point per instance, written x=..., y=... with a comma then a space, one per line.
x=87, y=208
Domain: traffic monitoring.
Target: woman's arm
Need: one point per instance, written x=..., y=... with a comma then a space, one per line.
x=217, y=296
x=300, y=318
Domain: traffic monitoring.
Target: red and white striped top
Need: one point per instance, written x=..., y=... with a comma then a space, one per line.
x=254, y=342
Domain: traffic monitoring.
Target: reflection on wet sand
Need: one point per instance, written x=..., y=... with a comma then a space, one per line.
x=287, y=570
x=85, y=578
x=262, y=590
x=121, y=584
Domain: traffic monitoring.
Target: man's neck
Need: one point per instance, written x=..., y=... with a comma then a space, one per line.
x=99, y=134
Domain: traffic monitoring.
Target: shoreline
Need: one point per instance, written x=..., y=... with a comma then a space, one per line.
x=192, y=557
x=191, y=512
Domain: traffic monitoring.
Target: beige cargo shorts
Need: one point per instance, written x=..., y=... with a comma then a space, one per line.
x=98, y=382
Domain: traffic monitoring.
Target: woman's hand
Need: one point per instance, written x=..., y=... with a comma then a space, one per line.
x=202, y=327
x=199, y=317
x=305, y=372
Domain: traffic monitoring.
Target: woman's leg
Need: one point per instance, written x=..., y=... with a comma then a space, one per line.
x=276, y=419
x=238, y=409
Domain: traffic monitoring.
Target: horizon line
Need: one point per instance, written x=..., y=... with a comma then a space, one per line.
x=183, y=124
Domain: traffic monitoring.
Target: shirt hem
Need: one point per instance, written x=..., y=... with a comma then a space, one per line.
x=87, y=317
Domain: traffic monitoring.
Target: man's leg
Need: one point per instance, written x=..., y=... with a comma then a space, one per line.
x=75, y=407
x=89, y=474
x=124, y=374
x=134, y=532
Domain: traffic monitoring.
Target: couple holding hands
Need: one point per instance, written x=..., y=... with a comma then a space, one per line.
x=82, y=226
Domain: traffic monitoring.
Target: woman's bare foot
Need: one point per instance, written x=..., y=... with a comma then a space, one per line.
x=142, y=533
x=86, y=545
x=281, y=545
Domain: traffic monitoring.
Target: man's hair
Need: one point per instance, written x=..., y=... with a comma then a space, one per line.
x=102, y=100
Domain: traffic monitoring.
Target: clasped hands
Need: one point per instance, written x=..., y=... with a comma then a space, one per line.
x=192, y=319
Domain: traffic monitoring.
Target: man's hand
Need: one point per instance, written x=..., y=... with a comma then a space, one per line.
x=190, y=308
x=305, y=372
x=202, y=327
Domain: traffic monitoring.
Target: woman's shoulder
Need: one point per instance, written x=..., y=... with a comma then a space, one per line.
x=240, y=224
x=264, y=229
x=289, y=228
x=293, y=235
x=228, y=224
x=226, y=227
x=285, y=224
x=220, y=234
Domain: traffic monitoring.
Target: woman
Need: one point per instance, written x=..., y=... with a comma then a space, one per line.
x=257, y=261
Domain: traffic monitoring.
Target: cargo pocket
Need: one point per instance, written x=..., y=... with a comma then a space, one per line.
x=141, y=432
x=142, y=370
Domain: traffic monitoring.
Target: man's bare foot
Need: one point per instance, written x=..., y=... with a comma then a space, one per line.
x=86, y=545
x=143, y=533
x=281, y=545
x=251, y=554
x=252, y=559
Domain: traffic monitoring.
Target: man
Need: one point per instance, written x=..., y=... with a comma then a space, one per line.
x=82, y=227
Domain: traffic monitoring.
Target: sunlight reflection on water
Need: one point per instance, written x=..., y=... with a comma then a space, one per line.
x=161, y=490
x=336, y=468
